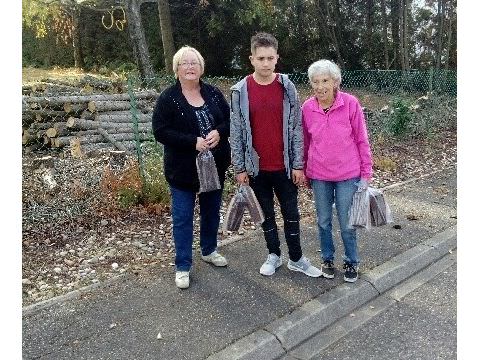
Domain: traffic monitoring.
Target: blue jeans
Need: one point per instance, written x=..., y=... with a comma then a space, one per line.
x=340, y=192
x=265, y=184
x=183, y=204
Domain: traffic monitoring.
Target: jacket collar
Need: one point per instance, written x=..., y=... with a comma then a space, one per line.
x=338, y=102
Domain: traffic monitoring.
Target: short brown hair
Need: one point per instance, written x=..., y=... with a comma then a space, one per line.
x=263, y=39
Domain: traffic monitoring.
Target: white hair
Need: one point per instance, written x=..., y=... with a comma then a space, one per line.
x=325, y=67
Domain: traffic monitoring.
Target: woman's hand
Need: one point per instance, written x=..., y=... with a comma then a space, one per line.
x=307, y=183
x=362, y=184
x=201, y=145
x=212, y=139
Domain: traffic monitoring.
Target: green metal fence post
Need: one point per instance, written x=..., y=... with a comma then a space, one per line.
x=134, y=112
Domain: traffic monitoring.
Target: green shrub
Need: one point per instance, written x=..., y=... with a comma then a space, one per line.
x=400, y=118
x=155, y=188
x=128, y=197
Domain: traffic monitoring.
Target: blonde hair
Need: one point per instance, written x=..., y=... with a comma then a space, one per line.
x=180, y=54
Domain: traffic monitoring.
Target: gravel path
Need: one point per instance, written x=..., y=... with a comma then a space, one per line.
x=70, y=241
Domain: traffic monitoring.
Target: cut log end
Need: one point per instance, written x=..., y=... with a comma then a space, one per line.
x=75, y=148
x=91, y=106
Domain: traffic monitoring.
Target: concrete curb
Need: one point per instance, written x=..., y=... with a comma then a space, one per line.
x=314, y=316
x=322, y=340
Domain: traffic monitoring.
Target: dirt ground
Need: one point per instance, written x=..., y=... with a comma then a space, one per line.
x=68, y=243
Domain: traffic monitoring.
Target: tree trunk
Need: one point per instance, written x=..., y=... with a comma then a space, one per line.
x=336, y=34
x=82, y=124
x=449, y=39
x=368, y=34
x=395, y=14
x=61, y=100
x=87, y=139
x=401, y=45
x=74, y=109
x=144, y=105
x=406, y=60
x=440, y=23
x=324, y=21
x=45, y=114
x=167, y=35
x=58, y=129
x=138, y=40
x=111, y=140
x=385, y=35
x=123, y=118
x=77, y=43
x=99, y=106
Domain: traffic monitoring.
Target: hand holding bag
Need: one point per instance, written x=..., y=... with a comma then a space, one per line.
x=369, y=208
x=254, y=208
x=234, y=215
x=359, y=213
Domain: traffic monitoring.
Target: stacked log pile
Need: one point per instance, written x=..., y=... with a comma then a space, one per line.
x=85, y=84
x=87, y=122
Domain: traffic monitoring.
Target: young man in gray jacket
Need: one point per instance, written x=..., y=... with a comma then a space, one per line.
x=267, y=150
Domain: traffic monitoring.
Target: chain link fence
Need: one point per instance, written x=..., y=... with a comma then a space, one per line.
x=104, y=115
x=392, y=82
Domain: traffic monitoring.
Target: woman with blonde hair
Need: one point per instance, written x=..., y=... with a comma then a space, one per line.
x=191, y=117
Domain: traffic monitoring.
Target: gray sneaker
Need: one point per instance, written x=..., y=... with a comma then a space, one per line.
x=303, y=265
x=182, y=279
x=271, y=264
x=215, y=258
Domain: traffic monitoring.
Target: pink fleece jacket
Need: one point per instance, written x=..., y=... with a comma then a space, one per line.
x=336, y=144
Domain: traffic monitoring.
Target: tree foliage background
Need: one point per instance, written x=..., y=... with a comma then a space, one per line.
x=357, y=34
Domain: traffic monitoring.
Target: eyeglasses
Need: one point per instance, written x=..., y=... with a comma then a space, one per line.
x=188, y=64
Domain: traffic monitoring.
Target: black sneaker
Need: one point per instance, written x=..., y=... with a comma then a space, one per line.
x=328, y=269
x=351, y=274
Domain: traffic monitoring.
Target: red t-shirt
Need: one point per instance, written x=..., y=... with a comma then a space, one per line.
x=266, y=121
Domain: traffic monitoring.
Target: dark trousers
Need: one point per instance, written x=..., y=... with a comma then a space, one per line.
x=265, y=184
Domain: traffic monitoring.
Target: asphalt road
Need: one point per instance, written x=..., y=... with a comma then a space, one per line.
x=420, y=325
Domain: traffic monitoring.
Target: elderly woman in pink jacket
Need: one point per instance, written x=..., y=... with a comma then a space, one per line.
x=338, y=160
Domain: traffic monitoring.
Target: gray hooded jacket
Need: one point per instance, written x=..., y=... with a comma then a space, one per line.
x=244, y=156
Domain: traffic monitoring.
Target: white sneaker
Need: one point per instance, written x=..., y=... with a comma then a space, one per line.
x=216, y=259
x=303, y=265
x=273, y=262
x=182, y=279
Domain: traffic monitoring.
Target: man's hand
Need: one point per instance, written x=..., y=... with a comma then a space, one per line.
x=242, y=178
x=297, y=177
x=212, y=139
